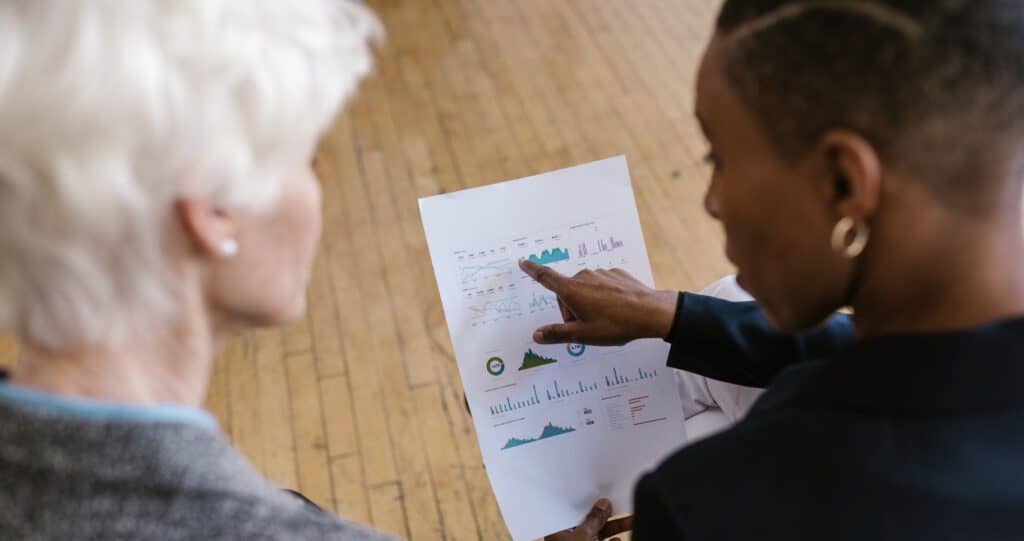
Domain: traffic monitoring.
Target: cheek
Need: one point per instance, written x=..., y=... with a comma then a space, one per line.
x=310, y=217
x=750, y=214
x=303, y=223
x=290, y=236
x=776, y=239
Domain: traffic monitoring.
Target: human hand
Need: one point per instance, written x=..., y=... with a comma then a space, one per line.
x=596, y=526
x=603, y=307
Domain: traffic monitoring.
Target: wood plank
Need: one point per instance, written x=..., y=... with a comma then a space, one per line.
x=298, y=336
x=218, y=400
x=338, y=416
x=421, y=512
x=275, y=408
x=375, y=446
x=351, y=497
x=309, y=430
x=387, y=509
x=445, y=466
x=246, y=424
x=8, y=350
x=323, y=319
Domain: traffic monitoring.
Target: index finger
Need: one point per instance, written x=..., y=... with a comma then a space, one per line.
x=545, y=276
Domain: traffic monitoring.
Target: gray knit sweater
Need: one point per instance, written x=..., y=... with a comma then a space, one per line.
x=76, y=478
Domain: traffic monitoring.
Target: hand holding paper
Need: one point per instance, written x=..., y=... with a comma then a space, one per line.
x=596, y=525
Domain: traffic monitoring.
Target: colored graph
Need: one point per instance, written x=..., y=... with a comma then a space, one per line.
x=542, y=301
x=497, y=307
x=619, y=379
x=471, y=273
x=550, y=430
x=532, y=360
x=509, y=405
x=551, y=256
x=611, y=244
x=495, y=366
x=557, y=392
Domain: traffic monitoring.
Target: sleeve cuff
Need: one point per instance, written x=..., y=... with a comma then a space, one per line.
x=693, y=312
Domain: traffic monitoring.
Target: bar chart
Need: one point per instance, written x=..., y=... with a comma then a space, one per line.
x=509, y=405
x=615, y=378
x=556, y=392
x=586, y=248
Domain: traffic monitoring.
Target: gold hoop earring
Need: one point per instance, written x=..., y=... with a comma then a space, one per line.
x=861, y=234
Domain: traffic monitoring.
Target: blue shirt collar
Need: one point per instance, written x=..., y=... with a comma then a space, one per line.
x=83, y=408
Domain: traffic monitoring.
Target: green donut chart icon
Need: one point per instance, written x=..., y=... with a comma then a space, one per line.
x=495, y=366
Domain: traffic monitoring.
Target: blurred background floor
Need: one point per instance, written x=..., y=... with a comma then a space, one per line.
x=359, y=405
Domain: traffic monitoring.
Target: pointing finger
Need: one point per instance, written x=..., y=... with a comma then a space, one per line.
x=545, y=276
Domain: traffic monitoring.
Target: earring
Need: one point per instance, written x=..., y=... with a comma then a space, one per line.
x=861, y=234
x=228, y=247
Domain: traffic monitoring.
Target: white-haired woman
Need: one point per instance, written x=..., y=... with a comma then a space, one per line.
x=156, y=198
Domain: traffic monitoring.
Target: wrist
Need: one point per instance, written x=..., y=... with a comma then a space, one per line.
x=661, y=313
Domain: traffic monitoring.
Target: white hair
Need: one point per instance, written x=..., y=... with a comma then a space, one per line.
x=110, y=110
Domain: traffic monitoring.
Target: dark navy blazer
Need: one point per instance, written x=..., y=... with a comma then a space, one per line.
x=900, y=437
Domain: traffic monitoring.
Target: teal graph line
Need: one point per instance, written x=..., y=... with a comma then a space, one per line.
x=551, y=256
x=502, y=306
x=542, y=301
x=470, y=272
x=550, y=431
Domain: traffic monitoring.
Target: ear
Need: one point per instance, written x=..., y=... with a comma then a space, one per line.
x=206, y=226
x=856, y=169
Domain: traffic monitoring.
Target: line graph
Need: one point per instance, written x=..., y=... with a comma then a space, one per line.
x=483, y=271
x=508, y=305
x=550, y=431
x=543, y=301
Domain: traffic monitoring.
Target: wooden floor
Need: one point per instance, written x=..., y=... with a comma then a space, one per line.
x=360, y=406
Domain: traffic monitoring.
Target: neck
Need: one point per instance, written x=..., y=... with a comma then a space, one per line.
x=129, y=375
x=948, y=278
x=172, y=367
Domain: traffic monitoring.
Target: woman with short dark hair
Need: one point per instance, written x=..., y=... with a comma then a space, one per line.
x=865, y=153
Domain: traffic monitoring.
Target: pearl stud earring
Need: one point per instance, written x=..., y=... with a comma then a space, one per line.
x=228, y=247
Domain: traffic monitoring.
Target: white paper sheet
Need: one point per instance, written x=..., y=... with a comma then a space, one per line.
x=559, y=426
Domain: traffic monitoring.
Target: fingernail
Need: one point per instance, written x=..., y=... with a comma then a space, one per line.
x=604, y=505
x=537, y=336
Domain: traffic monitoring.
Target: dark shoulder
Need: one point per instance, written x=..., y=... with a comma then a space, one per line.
x=759, y=469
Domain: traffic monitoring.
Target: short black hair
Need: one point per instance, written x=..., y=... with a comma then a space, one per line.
x=936, y=85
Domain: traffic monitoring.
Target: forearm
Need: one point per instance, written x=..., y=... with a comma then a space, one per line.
x=733, y=342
